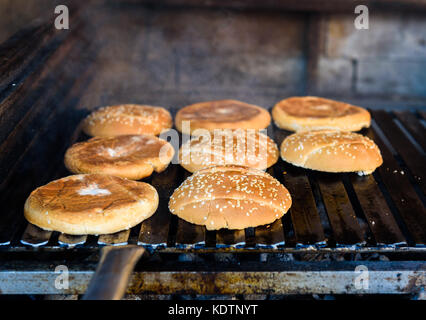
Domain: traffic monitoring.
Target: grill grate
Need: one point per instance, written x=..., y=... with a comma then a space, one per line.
x=383, y=211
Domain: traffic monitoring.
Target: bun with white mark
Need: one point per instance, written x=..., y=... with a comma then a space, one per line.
x=127, y=119
x=331, y=151
x=231, y=197
x=314, y=113
x=232, y=147
x=90, y=204
x=131, y=156
x=221, y=114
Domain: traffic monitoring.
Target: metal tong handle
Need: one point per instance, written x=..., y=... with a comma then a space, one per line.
x=112, y=275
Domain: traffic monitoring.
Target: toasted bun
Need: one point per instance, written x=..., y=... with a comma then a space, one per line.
x=222, y=114
x=232, y=147
x=331, y=151
x=132, y=157
x=231, y=197
x=314, y=113
x=90, y=204
x=127, y=119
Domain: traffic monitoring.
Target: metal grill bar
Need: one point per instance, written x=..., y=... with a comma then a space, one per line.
x=70, y=240
x=115, y=239
x=381, y=211
x=401, y=191
x=414, y=160
x=189, y=235
x=154, y=231
x=304, y=214
x=34, y=236
x=270, y=236
x=346, y=230
x=230, y=238
x=379, y=217
x=414, y=127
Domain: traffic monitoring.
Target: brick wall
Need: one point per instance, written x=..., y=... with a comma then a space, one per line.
x=388, y=59
x=175, y=56
x=181, y=56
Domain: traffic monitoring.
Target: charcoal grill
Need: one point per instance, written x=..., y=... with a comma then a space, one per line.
x=336, y=223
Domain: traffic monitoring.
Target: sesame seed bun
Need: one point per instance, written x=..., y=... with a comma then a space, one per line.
x=222, y=114
x=332, y=151
x=90, y=204
x=127, y=119
x=248, y=148
x=314, y=113
x=132, y=156
x=231, y=197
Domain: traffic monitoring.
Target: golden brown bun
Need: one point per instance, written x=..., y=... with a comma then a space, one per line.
x=222, y=114
x=90, y=204
x=132, y=157
x=331, y=151
x=314, y=113
x=127, y=119
x=248, y=148
x=231, y=197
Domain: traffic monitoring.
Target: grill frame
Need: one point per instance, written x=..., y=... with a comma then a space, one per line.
x=261, y=269
x=313, y=267
x=402, y=278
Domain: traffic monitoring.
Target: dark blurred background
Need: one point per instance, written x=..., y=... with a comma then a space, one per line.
x=174, y=52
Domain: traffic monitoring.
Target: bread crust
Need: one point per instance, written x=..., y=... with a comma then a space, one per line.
x=331, y=151
x=90, y=204
x=248, y=148
x=131, y=156
x=231, y=197
x=127, y=119
x=222, y=114
x=315, y=113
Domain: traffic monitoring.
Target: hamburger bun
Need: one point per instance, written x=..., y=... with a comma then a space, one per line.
x=127, y=119
x=221, y=114
x=90, y=204
x=314, y=113
x=332, y=151
x=231, y=197
x=248, y=148
x=132, y=156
